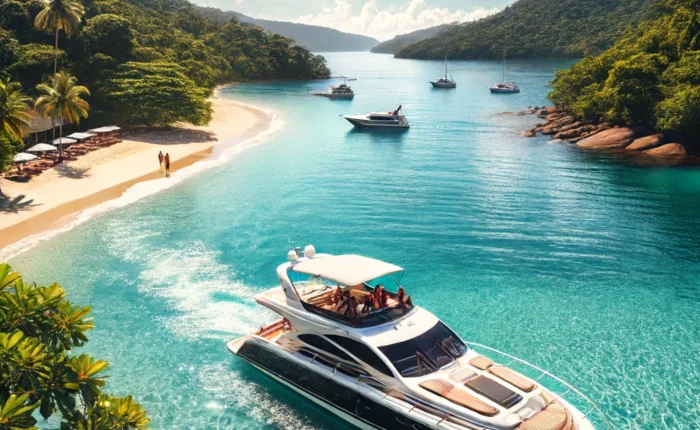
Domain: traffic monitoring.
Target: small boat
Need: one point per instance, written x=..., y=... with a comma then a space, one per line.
x=444, y=82
x=379, y=119
x=505, y=87
x=365, y=352
x=340, y=92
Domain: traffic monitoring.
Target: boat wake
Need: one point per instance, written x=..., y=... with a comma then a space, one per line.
x=148, y=188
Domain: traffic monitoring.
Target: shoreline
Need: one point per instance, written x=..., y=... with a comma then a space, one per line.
x=54, y=201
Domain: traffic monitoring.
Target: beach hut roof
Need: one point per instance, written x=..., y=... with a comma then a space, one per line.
x=38, y=123
x=64, y=141
x=42, y=147
x=23, y=156
x=81, y=136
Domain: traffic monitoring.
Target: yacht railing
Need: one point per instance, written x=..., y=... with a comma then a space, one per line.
x=570, y=388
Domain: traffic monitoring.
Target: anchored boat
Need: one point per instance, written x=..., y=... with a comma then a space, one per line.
x=393, y=119
x=366, y=353
x=444, y=82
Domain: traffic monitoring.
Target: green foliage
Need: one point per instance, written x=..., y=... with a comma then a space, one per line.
x=34, y=64
x=8, y=148
x=536, y=28
x=157, y=93
x=15, y=112
x=650, y=77
x=9, y=49
x=109, y=34
x=13, y=17
x=63, y=98
x=38, y=325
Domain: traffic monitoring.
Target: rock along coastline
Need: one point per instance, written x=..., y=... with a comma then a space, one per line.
x=603, y=136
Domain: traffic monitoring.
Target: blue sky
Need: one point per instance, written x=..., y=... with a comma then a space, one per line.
x=382, y=19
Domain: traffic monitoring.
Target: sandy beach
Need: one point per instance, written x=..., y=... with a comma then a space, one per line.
x=47, y=200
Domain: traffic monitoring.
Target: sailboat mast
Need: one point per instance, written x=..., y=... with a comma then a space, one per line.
x=504, y=66
x=445, y=68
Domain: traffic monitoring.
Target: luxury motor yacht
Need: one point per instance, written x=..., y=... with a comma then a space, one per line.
x=365, y=352
x=342, y=91
x=393, y=119
x=444, y=82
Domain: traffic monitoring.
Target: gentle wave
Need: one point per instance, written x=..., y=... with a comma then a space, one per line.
x=148, y=188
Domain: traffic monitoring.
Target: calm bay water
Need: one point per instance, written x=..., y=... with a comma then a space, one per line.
x=576, y=262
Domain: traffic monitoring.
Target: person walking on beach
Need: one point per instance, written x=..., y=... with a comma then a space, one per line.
x=161, y=157
x=167, y=163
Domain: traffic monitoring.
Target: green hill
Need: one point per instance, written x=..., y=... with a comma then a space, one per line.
x=148, y=62
x=399, y=42
x=536, y=28
x=650, y=77
x=312, y=37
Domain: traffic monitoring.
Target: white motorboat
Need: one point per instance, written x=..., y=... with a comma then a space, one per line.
x=372, y=357
x=505, y=87
x=444, y=82
x=342, y=91
x=379, y=119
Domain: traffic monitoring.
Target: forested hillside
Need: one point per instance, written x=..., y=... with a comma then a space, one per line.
x=399, y=42
x=537, y=28
x=312, y=37
x=146, y=62
x=651, y=77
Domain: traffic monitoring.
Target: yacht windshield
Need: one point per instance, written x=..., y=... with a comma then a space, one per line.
x=424, y=354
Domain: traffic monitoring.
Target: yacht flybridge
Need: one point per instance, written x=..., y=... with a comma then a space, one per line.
x=342, y=91
x=393, y=119
x=366, y=353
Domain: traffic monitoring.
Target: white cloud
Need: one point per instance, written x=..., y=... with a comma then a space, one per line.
x=387, y=23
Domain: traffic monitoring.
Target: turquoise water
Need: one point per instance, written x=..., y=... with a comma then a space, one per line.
x=577, y=262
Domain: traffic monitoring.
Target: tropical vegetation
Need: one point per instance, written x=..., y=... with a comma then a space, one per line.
x=63, y=99
x=59, y=15
x=650, y=77
x=536, y=29
x=15, y=114
x=41, y=375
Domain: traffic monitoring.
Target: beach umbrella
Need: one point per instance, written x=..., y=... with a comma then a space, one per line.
x=64, y=141
x=42, y=147
x=81, y=136
x=23, y=157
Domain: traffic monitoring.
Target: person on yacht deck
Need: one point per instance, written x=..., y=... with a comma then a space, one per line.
x=337, y=294
x=403, y=299
x=368, y=304
x=351, y=311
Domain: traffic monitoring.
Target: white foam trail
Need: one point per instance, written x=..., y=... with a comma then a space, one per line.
x=147, y=188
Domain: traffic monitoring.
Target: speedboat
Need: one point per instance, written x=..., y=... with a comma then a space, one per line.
x=444, y=82
x=366, y=353
x=342, y=91
x=379, y=119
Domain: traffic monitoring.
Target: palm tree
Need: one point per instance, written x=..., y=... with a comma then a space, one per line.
x=63, y=99
x=15, y=112
x=59, y=15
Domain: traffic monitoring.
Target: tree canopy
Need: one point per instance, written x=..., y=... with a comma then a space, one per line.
x=38, y=329
x=536, y=28
x=650, y=77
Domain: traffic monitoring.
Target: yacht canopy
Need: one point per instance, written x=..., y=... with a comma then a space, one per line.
x=346, y=269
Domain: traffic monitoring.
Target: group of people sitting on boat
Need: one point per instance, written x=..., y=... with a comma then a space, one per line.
x=346, y=304
x=397, y=111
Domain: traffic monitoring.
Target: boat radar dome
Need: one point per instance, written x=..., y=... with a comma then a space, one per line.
x=292, y=255
x=309, y=251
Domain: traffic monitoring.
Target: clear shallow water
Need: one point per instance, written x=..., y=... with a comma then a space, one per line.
x=583, y=265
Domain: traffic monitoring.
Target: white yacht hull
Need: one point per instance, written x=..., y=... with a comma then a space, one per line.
x=496, y=90
x=444, y=85
x=364, y=122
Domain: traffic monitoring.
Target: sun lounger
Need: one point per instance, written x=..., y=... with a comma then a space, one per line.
x=513, y=378
x=493, y=390
x=481, y=362
x=459, y=397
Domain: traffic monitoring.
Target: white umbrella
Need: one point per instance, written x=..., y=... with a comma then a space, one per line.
x=81, y=136
x=42, y=147
x=23, y=157
x=64, y=141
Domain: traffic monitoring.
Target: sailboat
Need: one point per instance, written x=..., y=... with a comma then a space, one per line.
x=505, y=87
x=444, y=82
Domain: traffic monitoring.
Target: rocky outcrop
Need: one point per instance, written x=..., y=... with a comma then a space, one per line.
x=668, y=150
x=647, y=142
x=618, y=137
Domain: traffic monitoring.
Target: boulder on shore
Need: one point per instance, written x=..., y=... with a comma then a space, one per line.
x=546, y=111
x=668, y=150
x=618, y=137
x=644, y=143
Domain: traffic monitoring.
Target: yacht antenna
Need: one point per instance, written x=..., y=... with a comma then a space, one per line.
x=504, y=65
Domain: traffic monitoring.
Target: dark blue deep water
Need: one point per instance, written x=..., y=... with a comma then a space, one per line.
x=581, y=263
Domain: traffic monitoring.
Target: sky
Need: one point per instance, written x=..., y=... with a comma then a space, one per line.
x=381, y=19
